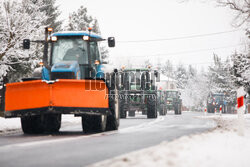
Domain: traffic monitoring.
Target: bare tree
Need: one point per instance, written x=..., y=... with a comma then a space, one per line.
x=242, y=7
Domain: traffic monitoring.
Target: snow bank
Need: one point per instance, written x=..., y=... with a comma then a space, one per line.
x=9, y=124
x=219, y=147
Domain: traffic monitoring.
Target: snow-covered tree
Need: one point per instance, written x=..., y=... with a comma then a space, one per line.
x=52, y=12
x=241, y=70
x=192, y=72
x=181, y=76
x=19, y=20
x=195, y=93
x=168, y=69
x=221, y=80
x=242, y=7
x=81, y=21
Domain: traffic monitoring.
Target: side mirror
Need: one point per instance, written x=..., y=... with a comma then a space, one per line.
x=111, y=41
x=104, y=62
x=26, y=44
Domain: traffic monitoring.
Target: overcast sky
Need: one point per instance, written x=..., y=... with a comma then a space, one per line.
x=129, y=20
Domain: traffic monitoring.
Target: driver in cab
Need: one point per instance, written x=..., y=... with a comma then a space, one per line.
x=76, y=54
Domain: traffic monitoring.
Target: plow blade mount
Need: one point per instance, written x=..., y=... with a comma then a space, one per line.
x=63, y=93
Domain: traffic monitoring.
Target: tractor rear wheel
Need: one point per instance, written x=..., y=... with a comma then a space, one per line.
x=113, y=120
x=151, y=108
x=180, y=112
x=94, y=123
x=123, y=112
x=161, y=111
x=176, y=112
x=52, y=122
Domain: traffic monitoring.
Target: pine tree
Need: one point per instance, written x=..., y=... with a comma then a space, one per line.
x=168, y=69
x=220, y=78
x=241, y=70
x=81, y=21
x=52, y=12
x=181, y=76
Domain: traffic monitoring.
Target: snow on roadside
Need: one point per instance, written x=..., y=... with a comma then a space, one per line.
x=7, y=125
x=219, y=147
x=14, y=124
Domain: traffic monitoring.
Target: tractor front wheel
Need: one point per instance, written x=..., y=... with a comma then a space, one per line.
x=32, y=124
x=151, y=108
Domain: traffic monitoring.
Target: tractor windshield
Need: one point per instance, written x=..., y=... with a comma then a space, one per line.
x=218, y=97
x=70, y=49
x=172, y=94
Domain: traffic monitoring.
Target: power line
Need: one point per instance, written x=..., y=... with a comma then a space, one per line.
x=185, y=52
x=178, y=38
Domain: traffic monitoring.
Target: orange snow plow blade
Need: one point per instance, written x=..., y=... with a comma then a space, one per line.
x=62, y=93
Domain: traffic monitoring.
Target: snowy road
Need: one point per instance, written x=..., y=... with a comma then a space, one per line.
x=71, y=147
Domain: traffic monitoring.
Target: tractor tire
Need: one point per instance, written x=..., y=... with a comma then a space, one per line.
x=180, y=112
x=151, y=108
x=161, y=111
x=52, y=122
x=131, y=113
x=32, y=124
x=94, y=123
x=113, y=120
x=176, y=111
x=123, y=112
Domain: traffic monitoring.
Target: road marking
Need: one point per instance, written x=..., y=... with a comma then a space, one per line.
x=48, y=141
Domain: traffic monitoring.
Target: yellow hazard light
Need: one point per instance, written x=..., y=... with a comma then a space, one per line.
x=53, y=38
x=97, y=62
x=85, y=38
x=50, y=29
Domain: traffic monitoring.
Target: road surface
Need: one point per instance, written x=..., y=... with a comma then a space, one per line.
x=71, y=147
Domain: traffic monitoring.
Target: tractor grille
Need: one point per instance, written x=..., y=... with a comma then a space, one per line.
x=62, y=75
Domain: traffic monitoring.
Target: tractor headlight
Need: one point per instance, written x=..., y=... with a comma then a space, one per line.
x=54, y=38
x=85, y=38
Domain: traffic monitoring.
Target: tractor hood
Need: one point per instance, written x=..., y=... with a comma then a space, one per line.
x=66, y=68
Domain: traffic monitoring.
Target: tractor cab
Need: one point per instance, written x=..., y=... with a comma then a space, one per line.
x=72, y=55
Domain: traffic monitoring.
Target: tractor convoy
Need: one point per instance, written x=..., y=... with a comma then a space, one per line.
x=73, y=79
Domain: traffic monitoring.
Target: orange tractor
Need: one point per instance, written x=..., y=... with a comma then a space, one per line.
x=72, y=80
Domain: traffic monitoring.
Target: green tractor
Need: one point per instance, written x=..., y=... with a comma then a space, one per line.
x=173, y=101
x=138, y=92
